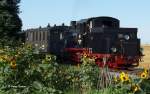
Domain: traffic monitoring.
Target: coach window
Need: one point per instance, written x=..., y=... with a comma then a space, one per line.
x=91, y=24
x=61, y=36
x=43, y=35
x=31, y=36
x=46, y=34
x=40, y=36
x=36, y=36
x=27, y=37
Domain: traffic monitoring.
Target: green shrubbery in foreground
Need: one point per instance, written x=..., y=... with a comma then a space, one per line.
x=23, y=71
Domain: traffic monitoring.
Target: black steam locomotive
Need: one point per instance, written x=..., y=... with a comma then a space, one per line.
x=97, y=37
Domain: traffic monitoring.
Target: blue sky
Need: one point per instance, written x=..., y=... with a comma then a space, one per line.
x=132, y=13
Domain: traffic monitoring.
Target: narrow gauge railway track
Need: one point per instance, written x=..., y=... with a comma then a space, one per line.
x=132, y=72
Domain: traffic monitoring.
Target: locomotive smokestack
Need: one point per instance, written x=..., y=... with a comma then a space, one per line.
x=73, y=24
x=63, y=24
x=48, y=26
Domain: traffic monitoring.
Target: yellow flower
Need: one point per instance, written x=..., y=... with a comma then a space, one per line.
x=84, y=55
x=146, y=71
x=48, y=58
x=29, y=46
x=144, y=75
x=122, y=74
x=135, y=88
x=3, y=58
x=124, y=77
x=13, y=64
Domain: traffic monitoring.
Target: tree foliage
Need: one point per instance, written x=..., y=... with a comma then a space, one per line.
x=10, y=23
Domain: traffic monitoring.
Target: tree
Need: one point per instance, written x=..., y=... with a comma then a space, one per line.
x=10, y=23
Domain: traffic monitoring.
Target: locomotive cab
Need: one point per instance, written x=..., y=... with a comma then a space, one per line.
x=104, y=22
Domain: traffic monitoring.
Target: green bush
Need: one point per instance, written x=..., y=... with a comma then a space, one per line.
x=23, y=70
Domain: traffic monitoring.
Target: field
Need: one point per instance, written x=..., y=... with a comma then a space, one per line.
x=22, y=71
x=146, y=58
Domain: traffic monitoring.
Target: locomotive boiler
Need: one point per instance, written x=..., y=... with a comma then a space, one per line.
x=96, y=38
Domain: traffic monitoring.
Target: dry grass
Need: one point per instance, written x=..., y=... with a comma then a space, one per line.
x=146, y=58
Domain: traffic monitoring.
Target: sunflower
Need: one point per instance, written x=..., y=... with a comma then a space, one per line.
x=135, y=88
x=146, y=71
x=29, y=46
x=122, y=74
x=48, y=58
x=13, y=64
x=4, y=58
x=84, y=55
x=1, y=59
x=124, y=77
x=144, y=75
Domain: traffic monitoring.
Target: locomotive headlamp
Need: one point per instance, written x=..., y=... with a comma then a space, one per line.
x=79, y=41
x=114, y=49
x=79, y=36
x=43, y=47
x=127, y=37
